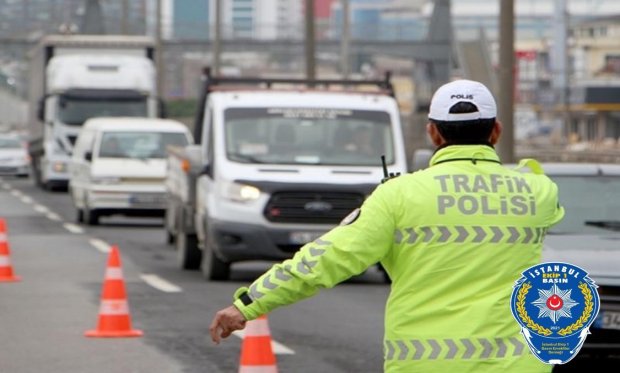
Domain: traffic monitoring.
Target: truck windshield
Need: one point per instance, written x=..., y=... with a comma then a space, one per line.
x=139, y=145
x=308, y=136
x=76, y=110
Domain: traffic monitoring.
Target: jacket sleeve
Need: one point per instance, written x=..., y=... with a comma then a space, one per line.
x=361, y=240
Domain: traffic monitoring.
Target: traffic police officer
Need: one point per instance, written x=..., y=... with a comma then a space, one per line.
x=453, y=238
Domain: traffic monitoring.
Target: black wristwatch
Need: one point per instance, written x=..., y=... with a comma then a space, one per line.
x=242, y=294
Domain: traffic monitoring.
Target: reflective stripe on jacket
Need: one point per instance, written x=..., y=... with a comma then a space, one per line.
x=454, y=238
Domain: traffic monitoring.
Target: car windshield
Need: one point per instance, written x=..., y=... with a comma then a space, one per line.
x=76, y=110
x=140, y=145
x=590, y=202
x=9, y=143
x=308, y=136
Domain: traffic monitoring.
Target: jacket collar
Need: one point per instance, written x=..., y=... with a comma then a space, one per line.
x=472, y=153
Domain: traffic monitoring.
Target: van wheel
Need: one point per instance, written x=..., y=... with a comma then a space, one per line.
x=170, y=239
x=79, y=215
x=188, y=254
x=91, y=217
x=386, y=277
x=212, y=267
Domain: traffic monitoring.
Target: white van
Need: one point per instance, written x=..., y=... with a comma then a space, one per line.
x=118, y=166
x=282, y=168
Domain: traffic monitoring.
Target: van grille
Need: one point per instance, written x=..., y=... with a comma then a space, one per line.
x=142, y=180
x=311, y=207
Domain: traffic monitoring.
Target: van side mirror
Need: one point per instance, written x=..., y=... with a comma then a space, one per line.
x=206, y=170
x=88, y=156
x=41, y=109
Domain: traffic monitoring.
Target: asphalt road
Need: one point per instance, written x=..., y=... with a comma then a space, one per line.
x=61, y=263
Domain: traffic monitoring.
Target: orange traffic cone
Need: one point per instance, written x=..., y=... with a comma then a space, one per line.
x=256, y=353
x=6, y=270
x=114, y=319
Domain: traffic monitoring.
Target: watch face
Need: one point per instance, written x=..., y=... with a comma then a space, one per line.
x=245, y=299
x=351, y=217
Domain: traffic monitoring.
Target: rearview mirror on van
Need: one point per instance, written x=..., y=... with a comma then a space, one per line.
x=206, y=170
x=88, y=156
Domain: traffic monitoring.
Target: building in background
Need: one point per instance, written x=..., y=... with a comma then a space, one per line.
x=190, y=19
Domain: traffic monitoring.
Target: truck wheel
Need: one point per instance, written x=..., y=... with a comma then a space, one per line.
x=188, y=254
x=79, y=215
x=212, y=267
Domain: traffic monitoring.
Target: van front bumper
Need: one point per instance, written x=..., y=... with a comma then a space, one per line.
x=240, y=241
x=110, y=199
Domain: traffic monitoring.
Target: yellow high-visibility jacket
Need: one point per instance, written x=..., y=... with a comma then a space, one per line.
x=453, y=238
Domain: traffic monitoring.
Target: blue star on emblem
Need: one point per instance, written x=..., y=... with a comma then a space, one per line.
x=554, y=303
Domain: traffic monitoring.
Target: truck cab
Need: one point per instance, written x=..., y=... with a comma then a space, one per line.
x=75, y=78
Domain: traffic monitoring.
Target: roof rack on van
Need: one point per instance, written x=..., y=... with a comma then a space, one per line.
x=211, y=83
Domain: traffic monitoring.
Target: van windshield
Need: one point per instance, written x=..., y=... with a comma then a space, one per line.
x=308, y=136
x=140, y=145
x=10, y=143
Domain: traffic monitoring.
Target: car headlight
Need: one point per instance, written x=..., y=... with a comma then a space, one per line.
x=239, y=192
x=105, y=180
x=59, y=166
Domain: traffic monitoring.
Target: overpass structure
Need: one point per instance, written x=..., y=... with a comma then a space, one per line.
x=432, y=56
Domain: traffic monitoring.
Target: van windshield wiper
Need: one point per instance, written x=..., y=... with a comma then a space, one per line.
x=244, y=158
x=613, y=225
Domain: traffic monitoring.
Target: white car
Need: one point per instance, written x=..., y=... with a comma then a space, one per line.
x=119, y=165
x=14, y=158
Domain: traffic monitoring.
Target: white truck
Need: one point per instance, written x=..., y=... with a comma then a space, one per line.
x=77, y=77
x=279, y=163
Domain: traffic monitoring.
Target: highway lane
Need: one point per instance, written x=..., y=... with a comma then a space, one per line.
x=340, y=330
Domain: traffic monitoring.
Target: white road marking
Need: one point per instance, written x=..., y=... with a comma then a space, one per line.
x=26, y=199
x=6, y=186
x=277, y=347
x=160, y=284
x=73, y=228
x=16, y=192
x=53, y=216
x=100, y=245
x=40, y=208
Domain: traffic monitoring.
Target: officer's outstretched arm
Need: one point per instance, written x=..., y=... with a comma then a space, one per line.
x=362, y=239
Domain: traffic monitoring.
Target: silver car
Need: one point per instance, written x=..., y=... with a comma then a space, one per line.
x=14, y=157
x=589, y=237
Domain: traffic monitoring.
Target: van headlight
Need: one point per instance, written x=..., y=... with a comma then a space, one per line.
x=59, y=167
x=105, y=180
x=239, y=192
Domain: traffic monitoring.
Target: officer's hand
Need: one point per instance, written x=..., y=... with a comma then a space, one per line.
x=225, y=322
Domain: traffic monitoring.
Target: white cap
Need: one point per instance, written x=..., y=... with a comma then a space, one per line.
x=462, y=91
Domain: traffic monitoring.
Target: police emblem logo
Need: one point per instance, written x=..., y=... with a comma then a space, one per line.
x=555, y=303
x=351, y=217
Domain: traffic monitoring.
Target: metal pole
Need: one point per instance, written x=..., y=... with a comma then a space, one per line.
x=159, y=51
x=506, y=81
x=310, y=63
x=26, y=17
x=559, y=61
x=217, y=38
x=125, y=18
x=345, y=39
